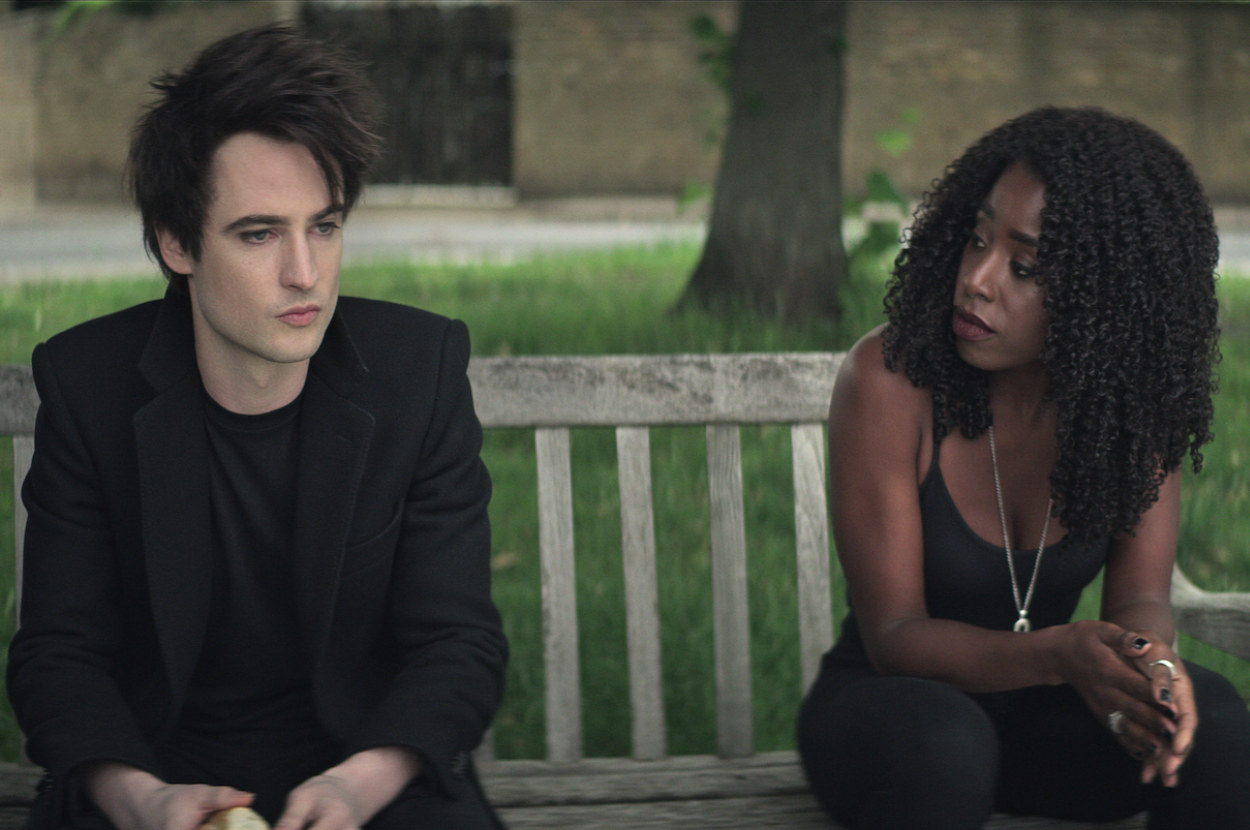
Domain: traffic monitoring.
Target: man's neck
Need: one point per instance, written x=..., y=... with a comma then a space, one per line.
x=251, y=390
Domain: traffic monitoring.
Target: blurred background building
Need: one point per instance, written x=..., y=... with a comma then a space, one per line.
x=568, y=98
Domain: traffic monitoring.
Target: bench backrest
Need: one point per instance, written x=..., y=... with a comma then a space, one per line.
x=632, y=394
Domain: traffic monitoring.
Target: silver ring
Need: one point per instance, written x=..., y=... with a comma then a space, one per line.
x=1170, y=666
x=1115, y=722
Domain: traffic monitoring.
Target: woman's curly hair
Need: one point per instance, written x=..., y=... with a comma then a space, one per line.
x=1127, y=256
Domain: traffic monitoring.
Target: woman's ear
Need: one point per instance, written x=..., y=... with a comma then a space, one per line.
x=172, y=252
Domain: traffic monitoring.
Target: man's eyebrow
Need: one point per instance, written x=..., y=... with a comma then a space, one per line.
x=329, y=210
x=1019, y=236
x=253, y=219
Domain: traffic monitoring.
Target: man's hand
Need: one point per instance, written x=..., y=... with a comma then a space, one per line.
x=347, y=796
x=323, y=802
x=136, y=800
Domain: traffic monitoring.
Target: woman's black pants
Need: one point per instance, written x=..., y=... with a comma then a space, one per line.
x=902, y=752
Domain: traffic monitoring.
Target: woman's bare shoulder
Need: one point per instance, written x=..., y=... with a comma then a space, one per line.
x=867, y=386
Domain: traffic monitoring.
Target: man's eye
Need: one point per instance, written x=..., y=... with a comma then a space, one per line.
x=326, y=228
x=255, y=236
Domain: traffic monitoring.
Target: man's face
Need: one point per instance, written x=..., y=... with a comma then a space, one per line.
x=266, y=282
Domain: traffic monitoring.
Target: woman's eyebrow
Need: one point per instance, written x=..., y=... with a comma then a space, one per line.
x=1019, y=236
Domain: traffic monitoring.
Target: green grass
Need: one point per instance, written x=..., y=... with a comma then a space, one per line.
x=618, y=302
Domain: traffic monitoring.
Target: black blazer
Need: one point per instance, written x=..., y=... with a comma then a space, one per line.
x=392, y=539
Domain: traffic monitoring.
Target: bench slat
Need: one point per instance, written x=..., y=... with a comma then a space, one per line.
x=811, y=528
x=731, y=619
x=642, y=607
x=18, y=399
x=23, y=453
x=559, y=593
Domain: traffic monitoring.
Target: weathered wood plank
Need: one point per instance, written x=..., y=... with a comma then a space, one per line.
x=797, y=812
x=642, y=605
x=18, y=400
x=631, y=390
x=23, y=453
x=611, y=780
x=559, y=595
x=793, y=811
x=1221, y=619
x=764, y=790
x=811, y=527
x=730, y=613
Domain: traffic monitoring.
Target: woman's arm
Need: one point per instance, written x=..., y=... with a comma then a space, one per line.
x=1137, y=595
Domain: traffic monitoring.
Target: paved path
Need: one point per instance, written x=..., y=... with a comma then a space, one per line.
x=81, y=242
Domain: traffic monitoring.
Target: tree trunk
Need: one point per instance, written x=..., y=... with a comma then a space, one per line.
x=774, y=238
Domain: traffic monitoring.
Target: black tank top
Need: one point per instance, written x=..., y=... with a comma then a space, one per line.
x=966, y=577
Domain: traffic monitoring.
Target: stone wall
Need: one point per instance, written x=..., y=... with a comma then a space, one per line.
x=17, y=122
x=1181, y=68
x=610, y=97
x=90, y=81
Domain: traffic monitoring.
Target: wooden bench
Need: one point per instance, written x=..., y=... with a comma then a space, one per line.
x=738, y=787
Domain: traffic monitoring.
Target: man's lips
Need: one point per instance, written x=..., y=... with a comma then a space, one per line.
x=968, y=326
x=300, y=315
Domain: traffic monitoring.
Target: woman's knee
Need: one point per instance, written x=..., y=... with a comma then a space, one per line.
x=889, y=751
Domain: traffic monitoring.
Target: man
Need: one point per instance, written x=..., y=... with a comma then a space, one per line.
x=257, y=553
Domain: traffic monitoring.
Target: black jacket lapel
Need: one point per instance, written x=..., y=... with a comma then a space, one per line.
x=173, y=482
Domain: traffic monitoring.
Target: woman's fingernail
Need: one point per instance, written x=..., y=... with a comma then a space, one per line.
x=1140, y=643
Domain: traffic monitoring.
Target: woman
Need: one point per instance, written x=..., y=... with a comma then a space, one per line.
x=1017, y=426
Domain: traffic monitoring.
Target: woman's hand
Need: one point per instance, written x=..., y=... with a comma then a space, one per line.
x=1110, y=668
x=1172, y=691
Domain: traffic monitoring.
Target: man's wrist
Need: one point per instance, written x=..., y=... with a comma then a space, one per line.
x=116, y=788
x=374, y=777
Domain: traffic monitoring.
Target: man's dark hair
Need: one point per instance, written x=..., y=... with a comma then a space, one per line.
x=268, y=80
x=1127, y=256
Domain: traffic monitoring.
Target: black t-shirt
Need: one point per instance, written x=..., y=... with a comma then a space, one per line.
x=249, y=719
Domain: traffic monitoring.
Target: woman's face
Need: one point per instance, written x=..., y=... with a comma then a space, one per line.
x=999, y=320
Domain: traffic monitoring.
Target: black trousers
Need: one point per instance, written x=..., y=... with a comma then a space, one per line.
x=902, y=752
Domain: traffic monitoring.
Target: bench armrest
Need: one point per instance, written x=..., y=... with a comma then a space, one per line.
x=1220, y=619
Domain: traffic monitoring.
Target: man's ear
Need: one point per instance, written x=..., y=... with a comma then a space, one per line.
x=175, y=256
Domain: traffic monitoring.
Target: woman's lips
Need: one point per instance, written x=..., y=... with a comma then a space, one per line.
x=968, y=326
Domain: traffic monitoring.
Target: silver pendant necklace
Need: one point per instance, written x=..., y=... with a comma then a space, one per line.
x=1022, y=624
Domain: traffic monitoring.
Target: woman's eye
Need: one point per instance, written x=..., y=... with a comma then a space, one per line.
x=1021, y=271
x=975, y=242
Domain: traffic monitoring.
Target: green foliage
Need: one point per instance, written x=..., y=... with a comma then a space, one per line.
x=617, y=302
x=73, y=10
x=883, y=208
x=716, y=54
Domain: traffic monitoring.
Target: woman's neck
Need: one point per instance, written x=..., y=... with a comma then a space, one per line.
x=1019, y=396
